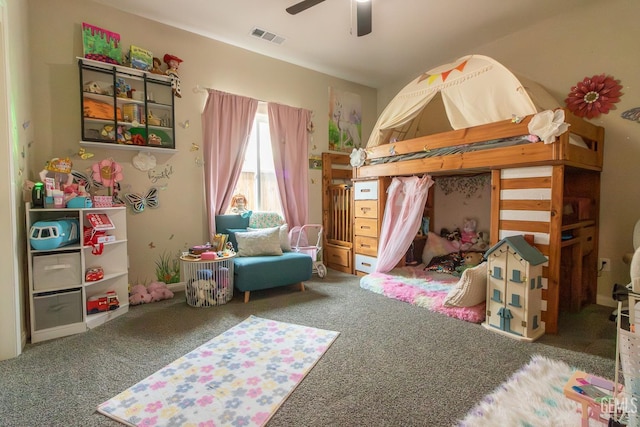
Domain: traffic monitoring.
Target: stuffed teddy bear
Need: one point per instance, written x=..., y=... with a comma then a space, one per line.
x=139, y=295
x=159, y=291
x=469, y=260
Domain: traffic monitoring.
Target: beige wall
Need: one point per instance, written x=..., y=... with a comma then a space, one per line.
x=15, y=134
x=180, y=220
x=599, y=38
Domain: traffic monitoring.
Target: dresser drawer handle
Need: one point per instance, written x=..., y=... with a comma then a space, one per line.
x=366, y=264
x=364, y=210
x=365, y=246
x=365, y=227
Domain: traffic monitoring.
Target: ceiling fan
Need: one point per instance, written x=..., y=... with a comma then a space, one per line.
x=363, y=13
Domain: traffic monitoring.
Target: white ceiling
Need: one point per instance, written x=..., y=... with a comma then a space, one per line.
x=409, y=36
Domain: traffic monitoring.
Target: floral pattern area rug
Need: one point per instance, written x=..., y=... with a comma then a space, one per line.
x=239, y=378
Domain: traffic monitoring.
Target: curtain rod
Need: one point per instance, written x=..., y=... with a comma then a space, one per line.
x=202, y=89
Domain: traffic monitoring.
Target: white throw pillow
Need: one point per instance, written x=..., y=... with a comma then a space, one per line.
x=265, y=241
x=285, y=245
x=471, y=289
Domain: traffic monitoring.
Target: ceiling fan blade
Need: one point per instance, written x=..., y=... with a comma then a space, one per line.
x=363, y=17
x=302, y=6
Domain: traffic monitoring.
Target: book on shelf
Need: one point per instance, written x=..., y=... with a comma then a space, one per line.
x=100, y=221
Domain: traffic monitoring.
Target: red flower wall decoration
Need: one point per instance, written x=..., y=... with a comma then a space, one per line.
x=594, y=96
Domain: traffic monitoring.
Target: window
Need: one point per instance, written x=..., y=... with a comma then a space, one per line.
x=257, y=181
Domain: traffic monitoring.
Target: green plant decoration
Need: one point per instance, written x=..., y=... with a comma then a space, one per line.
x=168, y=268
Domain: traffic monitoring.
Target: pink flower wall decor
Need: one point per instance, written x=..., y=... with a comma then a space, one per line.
x=594, y=96
x=107, y=172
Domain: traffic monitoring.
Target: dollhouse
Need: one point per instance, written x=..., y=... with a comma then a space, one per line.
x=514, y=289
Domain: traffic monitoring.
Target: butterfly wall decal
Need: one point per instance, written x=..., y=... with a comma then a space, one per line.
x=83, y=154
x=86, y=180
x=139, y=203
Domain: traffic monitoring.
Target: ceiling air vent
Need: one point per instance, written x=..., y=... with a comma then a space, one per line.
x=267, y=35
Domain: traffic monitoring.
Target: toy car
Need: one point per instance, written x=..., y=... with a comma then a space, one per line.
x=101, y=303
x=94, y=274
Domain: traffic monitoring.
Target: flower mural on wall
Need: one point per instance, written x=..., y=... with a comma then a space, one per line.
x=594, y=96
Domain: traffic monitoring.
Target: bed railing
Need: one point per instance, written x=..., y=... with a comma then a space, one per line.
x=340, y=222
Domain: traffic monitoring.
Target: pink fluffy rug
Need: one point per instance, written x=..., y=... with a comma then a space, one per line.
x=421, y=288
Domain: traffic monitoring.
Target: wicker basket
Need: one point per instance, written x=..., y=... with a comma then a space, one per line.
x=208, y=283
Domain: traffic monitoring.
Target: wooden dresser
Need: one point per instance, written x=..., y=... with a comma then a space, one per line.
x=369, y=198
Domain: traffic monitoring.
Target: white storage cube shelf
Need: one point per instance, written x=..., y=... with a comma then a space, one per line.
x=208, y=283
x=58, y=289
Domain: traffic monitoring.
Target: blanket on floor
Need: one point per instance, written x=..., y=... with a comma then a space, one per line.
x=422, y=288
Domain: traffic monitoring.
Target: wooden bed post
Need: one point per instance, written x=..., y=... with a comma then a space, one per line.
x=495, y=207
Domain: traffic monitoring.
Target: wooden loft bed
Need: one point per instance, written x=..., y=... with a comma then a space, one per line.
x=551, y=191
x=337, y=208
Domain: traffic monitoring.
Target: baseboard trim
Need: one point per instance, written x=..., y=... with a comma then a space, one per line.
x=176, y=287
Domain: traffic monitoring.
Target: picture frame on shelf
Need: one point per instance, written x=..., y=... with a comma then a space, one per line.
x=101, y=45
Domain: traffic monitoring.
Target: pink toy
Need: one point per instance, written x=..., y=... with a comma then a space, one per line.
x=159, y=291
x=139, y=295
x=468, y=234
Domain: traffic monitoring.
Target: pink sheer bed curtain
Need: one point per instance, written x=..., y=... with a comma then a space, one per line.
x=406, y=197
x=227, y=120
x=290, y=142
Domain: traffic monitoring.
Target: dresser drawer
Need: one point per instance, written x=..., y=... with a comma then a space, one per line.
x=337, y=256
x=366, y=209
x=366, y=245
x=366, y=264
x=366, y=227
x=365, y=190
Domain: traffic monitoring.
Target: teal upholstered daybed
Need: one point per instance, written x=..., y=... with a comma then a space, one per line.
x=255, y=267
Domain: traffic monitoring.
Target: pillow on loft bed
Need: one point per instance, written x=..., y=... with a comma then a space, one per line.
x=437, y=246
x=470, y=290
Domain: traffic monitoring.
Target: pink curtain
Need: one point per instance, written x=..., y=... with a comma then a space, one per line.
x=290, y=142
x=227, y=120
x=406, y=197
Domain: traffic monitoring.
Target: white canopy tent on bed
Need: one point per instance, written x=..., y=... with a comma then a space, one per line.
x=474, y=90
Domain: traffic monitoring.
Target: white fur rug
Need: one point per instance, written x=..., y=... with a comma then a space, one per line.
x=533, y=396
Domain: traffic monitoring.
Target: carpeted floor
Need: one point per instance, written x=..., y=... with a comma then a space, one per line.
x=393, y=363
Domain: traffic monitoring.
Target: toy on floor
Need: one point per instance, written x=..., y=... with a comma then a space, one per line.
x=159, y=291
x=139, y=295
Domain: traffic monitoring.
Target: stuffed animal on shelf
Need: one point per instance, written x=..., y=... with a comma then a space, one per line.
x=157, y=63
x=159, y=291
x=139, y=295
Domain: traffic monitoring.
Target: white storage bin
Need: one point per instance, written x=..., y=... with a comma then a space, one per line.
x=208, y=283
x=366, y=190
x=57, y=309
x=56, y=271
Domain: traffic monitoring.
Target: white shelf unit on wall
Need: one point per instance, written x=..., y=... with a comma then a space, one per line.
x=58, y=291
